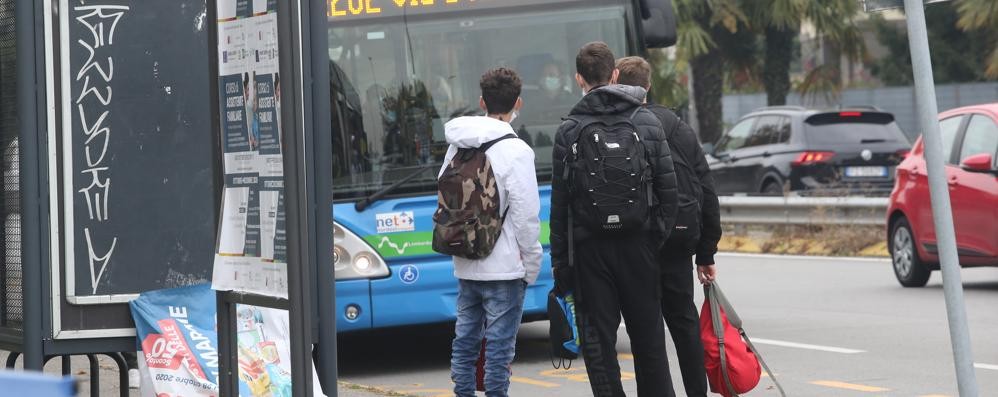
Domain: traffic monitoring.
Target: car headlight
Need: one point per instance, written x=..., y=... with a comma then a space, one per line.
x=353, y=258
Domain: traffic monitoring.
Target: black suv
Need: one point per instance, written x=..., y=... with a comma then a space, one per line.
x=842, y=151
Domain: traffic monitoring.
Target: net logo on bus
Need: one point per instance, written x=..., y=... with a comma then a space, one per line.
x=394, y=222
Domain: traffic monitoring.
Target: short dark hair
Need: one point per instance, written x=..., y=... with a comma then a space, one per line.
x=500, y=90
x=595, y=63
x=634, y=71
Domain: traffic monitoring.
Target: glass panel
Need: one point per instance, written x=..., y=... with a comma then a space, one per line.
x=784, y=130
x=981, y=137
x=854, y=133
x=737, y=137
x=767, y=131
x=948, y=128
x=396, y=85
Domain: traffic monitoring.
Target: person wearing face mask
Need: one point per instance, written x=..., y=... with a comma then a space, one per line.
x=553, y=85
x=551, y=99
x=491, y=290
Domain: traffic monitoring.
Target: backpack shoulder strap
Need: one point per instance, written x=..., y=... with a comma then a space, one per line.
x=488, y=145
x=635, y=112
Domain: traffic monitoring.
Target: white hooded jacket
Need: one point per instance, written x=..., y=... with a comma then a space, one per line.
x=517, y=254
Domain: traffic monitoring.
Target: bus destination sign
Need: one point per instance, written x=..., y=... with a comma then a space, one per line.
x=358, y=9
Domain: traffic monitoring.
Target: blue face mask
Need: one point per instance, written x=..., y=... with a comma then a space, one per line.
x=390, y=116
x=552, y=83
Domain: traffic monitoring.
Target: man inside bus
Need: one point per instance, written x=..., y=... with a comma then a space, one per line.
x=491, y=290
x=551, y=93
x=617, y=272
x=676, y=255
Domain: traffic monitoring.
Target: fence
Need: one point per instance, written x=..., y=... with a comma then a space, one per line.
x=744, y=210
x=11, y=300
x=898, y=100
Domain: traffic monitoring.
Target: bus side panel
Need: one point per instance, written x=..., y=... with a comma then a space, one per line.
x=432, y=298
x=421, y=288
x=353, y=293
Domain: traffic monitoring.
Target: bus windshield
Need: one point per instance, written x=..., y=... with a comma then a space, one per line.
x=395, y=83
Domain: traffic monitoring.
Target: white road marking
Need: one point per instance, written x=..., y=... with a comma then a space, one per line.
x=986, y=366
x=806, y=346
x=804, y=257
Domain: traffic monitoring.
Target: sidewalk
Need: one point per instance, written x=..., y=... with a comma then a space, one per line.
x=347, y=389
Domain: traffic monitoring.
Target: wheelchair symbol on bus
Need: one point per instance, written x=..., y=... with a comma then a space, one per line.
x=409, y=274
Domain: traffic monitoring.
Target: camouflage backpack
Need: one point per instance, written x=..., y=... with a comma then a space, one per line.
x=467, y=223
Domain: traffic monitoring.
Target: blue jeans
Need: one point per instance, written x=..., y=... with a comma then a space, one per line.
x=492, y=309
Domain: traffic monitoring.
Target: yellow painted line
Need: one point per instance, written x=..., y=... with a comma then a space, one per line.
x=425, y=392
x=848, y=386
x=533, y=382
x=625, y=356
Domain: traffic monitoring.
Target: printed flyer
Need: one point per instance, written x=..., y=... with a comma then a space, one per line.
x=178, y=336
x=252, y=244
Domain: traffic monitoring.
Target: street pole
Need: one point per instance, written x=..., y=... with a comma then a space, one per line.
x=29, y=130
x=942, y=212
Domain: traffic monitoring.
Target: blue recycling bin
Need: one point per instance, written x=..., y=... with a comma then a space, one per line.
x=36, y=384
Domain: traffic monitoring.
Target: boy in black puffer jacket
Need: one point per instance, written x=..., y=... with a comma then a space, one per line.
x=696, y=233
x=615, y=270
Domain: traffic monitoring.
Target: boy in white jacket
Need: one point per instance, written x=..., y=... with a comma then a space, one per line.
x=491, y=290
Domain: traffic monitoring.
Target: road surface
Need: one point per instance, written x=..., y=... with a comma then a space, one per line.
x=828, y=327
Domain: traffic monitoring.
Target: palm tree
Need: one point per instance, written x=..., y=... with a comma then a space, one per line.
x=981, y=15
x=700, y=23
x=779, y=22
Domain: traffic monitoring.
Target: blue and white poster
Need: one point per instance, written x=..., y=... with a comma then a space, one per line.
x=178, y=338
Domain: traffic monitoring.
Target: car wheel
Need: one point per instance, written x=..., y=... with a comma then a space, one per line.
x=908, y=268
x=772, y=188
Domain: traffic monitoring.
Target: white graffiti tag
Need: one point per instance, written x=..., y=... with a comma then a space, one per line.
x=93, y=106
x=96, y=260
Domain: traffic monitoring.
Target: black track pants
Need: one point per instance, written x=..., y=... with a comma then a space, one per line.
x=682, y=318
x=620, y=276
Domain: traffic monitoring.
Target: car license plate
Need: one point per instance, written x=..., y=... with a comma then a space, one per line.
x=866, y=172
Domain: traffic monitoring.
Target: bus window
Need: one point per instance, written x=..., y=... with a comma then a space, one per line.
x=409, y=79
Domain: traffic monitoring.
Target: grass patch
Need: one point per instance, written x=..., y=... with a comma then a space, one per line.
x=825, y=240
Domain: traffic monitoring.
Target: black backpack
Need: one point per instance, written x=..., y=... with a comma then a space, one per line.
x=609, y=175
x=688, y=219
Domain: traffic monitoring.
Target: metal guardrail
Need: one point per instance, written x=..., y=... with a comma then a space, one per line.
x=794, y=210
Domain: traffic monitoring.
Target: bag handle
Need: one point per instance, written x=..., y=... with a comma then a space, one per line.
x=717, y=299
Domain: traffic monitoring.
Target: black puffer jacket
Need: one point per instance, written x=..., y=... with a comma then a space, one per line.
x=685, y=139
x=612, y=100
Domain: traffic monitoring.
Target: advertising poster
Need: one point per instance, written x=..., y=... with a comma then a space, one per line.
x=251, y=254
x=178, y=337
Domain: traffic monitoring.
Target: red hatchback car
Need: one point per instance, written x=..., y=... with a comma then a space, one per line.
x=970, y=144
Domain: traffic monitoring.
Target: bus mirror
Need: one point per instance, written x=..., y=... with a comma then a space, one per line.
x=658, y=22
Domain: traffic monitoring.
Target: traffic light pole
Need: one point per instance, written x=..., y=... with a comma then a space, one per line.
x=942, y=211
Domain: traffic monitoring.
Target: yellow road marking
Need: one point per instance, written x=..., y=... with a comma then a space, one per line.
x=574, y=374
x=534, y=382
x=625, y=356
x=578, y=374
x=848, y=386
x=427, y=392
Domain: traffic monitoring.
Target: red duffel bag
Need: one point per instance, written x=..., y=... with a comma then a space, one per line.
x=732, y=363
